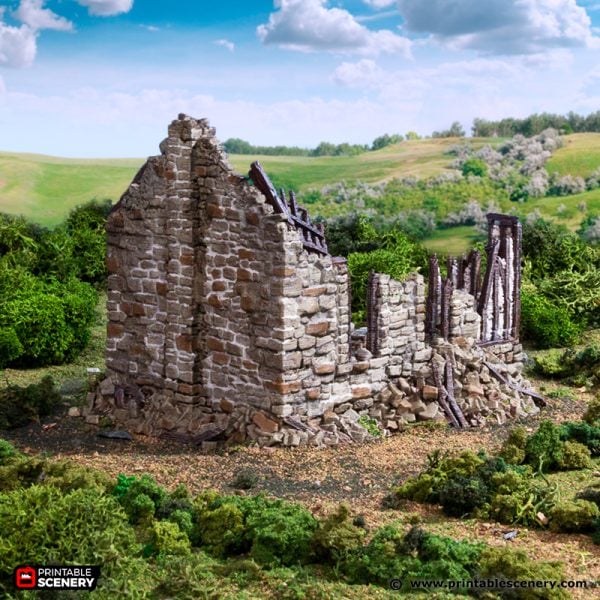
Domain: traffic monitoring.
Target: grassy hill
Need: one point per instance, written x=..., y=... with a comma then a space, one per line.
x=580, y=155
x=45, y=188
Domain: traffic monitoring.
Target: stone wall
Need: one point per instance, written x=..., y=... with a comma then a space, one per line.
x=222, y=326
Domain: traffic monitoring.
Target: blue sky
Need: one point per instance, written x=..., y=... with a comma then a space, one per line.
x=103, y=78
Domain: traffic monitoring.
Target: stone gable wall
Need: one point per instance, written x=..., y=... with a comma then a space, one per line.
x=222, y=326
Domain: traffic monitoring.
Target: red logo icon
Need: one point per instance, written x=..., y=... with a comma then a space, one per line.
x=25, y=578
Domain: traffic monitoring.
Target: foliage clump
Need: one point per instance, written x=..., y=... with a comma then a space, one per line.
x=543, y=450
x=21, y=405
x=592, y=413
x=513, y=449
x=574, y=456
x=574, y=516
x=337, y=536
x=514, y=565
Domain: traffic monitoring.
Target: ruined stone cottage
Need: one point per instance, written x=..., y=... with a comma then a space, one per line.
x=229, y=320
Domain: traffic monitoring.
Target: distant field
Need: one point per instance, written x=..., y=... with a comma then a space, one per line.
x=419, y=158
x=45, y=188
x=453, y=241
x=579, y=156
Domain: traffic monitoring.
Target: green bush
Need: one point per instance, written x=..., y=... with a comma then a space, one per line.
x=10, y=346
x=543, y=449
x=383, y=559
x=546, y=324
x=574, y=456
x=411, y=556
x=51, y=320
x=584, y=433
x=142, y=498
x=513, y=449
x=474, y=166
x=592, y=413
x=86, y=226
x=168, y=539
x=337, y=536
x=398, y=258
x=221, y=529
x=19, y=406
x=7, y=451
x=281, y=534
x=42, y=525
x=574, y=516
x=505, y=564
x=462, y=495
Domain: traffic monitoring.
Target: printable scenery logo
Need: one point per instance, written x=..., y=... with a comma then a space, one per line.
x=30, y=577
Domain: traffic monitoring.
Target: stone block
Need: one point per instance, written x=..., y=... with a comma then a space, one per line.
x=430, y=392
x=361, y=391
x=318, y=328
x=264, y=423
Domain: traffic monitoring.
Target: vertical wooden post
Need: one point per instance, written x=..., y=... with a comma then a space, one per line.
x=372, y=314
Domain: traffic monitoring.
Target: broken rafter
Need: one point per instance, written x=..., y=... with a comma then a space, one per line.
x=443, y=395
x=313, y=237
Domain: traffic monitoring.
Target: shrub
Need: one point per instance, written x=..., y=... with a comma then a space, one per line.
x=574, y=456
x=337, y=536
x=221, y=529
x=574, y=516
x=517, y=498
x=383, y=559
x=399, y=258
x=543, y=449
x=19, y=406
x=10, y=346
x=546, y=324
x=142, y=498
x=51, y=320
x=281, y=534
x=85, y=224
x=592, y=412
x=513, y=449
x=591, y=494
x=461, y=495
x=42, y=525
x=514, y=565
x=168, y=539
x=7, y=450
x=584, y=433
x=474, y=166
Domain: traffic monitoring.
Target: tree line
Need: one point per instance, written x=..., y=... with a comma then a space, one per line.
x=509, y=127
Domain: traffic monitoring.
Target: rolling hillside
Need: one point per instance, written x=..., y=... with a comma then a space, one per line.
x=45, y=188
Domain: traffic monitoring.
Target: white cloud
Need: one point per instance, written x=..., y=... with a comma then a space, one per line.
x=17, y=45
x=501, y=26
x=151, y=28
x=379, y=3
x=362, y=73
x=308, y=25
x=226, y=44
x=106, y=8
x=33, y=14
x=2, y=86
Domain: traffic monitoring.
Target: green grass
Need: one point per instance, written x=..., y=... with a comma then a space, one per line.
x=419, y=158
x=453, y=241
x=45, y=188
x=580, y=155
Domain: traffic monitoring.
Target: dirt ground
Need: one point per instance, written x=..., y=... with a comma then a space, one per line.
x=321, y=478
